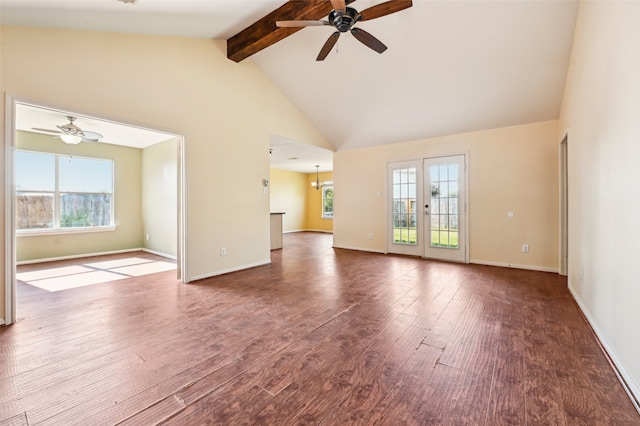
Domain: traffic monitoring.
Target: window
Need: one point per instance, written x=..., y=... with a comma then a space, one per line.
x=60, y=192
x=327, y=200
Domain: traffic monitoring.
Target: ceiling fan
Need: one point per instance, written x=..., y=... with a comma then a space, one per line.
x=72, y=134
x=343, y=18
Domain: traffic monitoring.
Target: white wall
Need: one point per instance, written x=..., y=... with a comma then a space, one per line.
x=160, y=198
x=601, y=114
x=226, y=111
x=513, y=169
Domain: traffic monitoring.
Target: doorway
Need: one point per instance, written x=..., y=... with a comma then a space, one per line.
x=14, y=105
x=426, y=208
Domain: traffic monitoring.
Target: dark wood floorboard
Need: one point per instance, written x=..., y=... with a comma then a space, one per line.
x=319, y=336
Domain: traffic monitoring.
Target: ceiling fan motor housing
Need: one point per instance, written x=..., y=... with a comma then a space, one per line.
x=343, y=21
x=70, y=129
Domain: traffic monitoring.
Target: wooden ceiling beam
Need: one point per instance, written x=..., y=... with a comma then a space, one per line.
x=264, y=32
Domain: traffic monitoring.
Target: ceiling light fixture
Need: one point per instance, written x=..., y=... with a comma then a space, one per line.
x=71, y=139
x=317, y=185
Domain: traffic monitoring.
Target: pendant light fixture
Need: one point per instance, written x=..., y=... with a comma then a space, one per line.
x=317, y=185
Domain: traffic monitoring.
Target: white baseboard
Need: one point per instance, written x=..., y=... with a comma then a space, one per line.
x=157, y=253
x=308, y=230
x=227, y=271
x=629, y=385
x=2, y=321
x=513, y=265
x=77, y=256
x=359, y=249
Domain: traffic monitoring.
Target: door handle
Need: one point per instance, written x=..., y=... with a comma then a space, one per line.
x=426, y=211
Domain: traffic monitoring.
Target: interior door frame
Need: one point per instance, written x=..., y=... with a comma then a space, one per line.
x=463, y=216
x=9, y=201
x=564, y=205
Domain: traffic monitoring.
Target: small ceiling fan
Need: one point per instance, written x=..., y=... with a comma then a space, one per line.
x=72, y=134
x=343, y=18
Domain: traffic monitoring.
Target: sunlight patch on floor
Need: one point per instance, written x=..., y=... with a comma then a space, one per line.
x=67, y=277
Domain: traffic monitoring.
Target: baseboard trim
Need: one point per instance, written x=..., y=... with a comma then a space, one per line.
x=308, y=230
x=77, y=256
x=157, y=253
x=630, y=386
x=228, y=271
x=2, y=321
x=359, y=249
x=516, y=266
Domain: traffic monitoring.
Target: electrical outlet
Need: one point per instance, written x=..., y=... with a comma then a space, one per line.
x=147, y=237
x=223, y=251
x=525, y=248
x=370, y=236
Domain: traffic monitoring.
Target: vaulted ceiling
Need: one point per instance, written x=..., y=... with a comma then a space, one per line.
x=451, y=66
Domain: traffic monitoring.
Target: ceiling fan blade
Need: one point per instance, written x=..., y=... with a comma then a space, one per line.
x=385, y=8
x=91, y=136
x=38, y=129
x=328, y=45
x=301, y=23
x=339, y=5
x=368, y=40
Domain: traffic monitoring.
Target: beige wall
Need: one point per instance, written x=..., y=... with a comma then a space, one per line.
x=600, y=113
x=288, y=194
x=314, y=220
x=226, y=111
x=127, y=178
x=160, y=197
x=291, y=192
x=512, y=169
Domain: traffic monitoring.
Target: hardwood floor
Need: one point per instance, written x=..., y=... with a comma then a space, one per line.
x=320, y=336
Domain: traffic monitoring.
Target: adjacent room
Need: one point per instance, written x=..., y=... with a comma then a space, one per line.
x=70, y=192
x=460, y=166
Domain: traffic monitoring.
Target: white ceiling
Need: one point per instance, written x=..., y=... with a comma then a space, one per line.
x=189, y=18
x=451, y=66
x=287, y=154
x=28, y=117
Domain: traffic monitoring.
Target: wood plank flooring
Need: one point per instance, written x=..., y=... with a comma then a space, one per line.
x=320, y=336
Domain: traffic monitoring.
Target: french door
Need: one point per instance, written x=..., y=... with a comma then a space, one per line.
x=405, y=200
x=427, y=208
x=445, y=208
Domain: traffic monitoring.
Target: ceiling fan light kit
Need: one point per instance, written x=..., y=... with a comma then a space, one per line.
x=343, y=18
x=71, y=139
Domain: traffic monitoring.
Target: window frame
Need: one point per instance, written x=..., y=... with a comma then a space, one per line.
x=326, y=185
x=57, y=200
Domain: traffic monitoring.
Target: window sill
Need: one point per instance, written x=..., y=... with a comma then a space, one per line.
x=42, y=232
